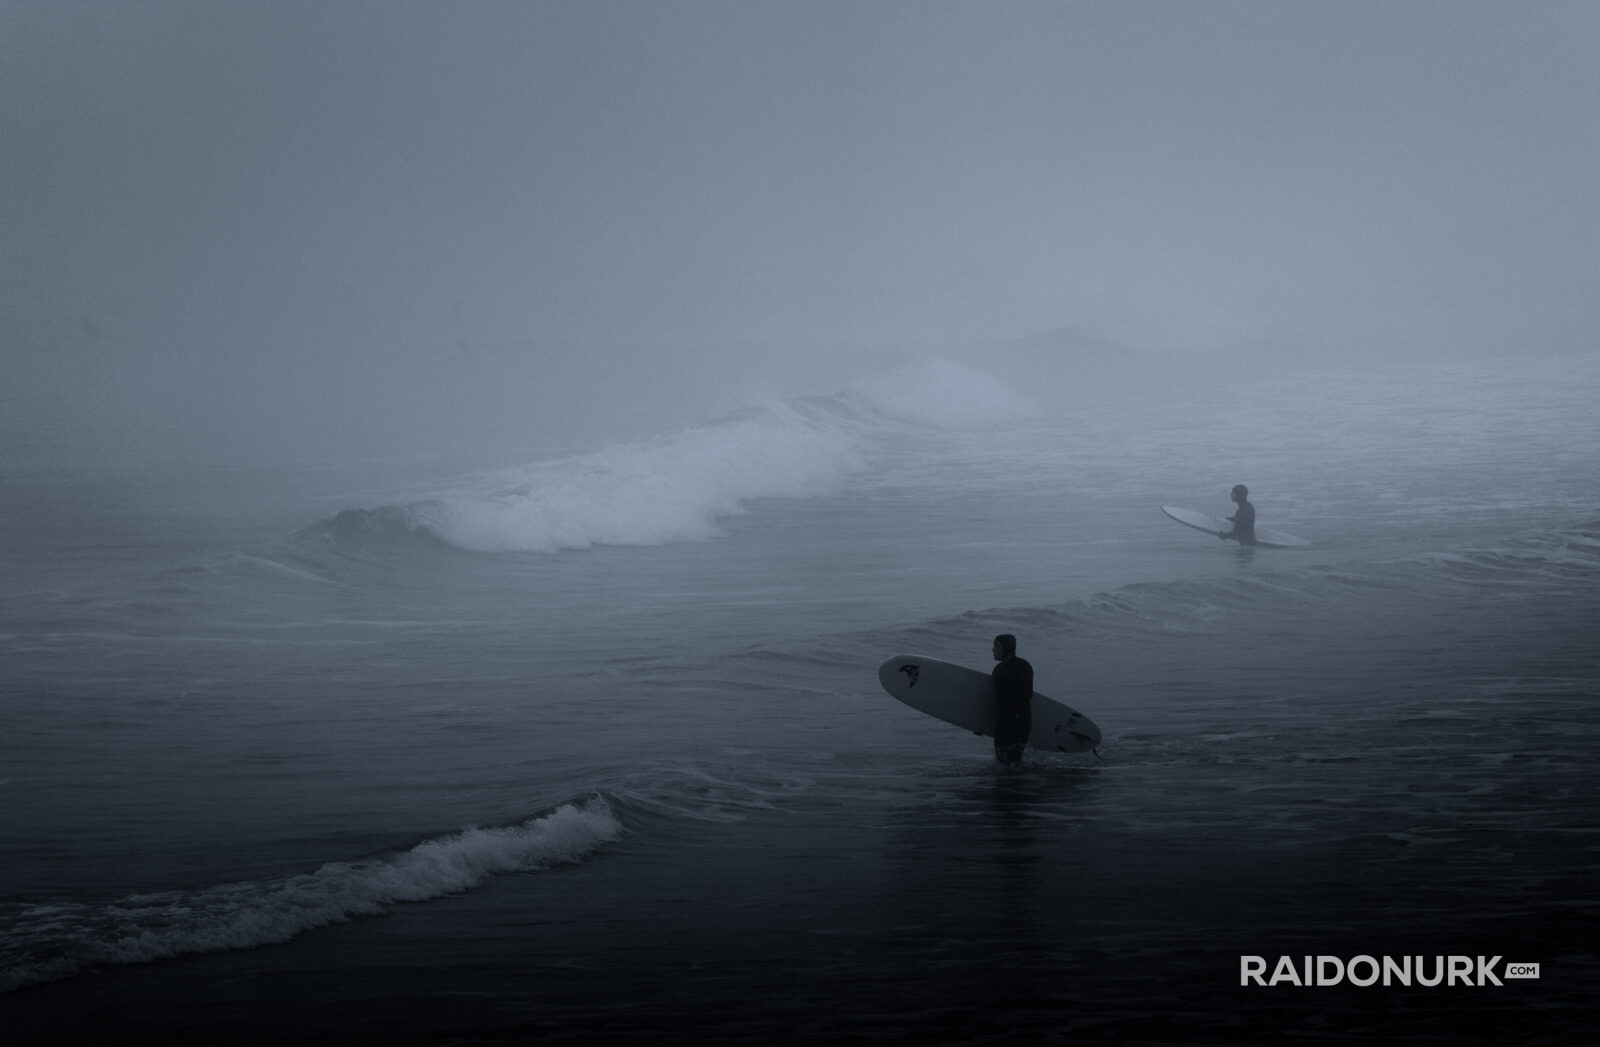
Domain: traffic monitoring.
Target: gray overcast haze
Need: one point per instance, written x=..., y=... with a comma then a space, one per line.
x=303, y=228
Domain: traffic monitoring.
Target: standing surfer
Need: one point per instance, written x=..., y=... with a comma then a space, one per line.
x=1244, y=518
x=1013, y=693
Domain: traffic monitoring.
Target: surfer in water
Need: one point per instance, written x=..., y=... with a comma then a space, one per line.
x=1013, y=692
x=1244, y=518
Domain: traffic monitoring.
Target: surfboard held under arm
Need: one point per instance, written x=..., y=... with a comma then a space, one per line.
x=1218, y=526
x=965, y=697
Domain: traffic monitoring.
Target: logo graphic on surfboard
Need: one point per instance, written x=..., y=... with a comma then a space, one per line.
x=965, y=697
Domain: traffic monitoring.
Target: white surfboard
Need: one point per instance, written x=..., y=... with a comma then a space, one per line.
x=965, y=697
x=1219, y=527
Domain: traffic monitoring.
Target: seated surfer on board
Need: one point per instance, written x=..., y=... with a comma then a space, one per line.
x=1013, y=693
x=1244, y=518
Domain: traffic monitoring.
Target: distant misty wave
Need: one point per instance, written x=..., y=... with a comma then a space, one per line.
x=678, y=487
x=940, y=394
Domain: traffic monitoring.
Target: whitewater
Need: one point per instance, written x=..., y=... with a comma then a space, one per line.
x=591, y=745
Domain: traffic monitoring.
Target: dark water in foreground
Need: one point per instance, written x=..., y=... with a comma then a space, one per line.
x=357, y=784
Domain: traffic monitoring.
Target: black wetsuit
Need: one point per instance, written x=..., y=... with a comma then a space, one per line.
x=1244, y=524
x=1013, y=692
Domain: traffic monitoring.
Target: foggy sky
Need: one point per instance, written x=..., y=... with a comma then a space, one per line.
x=307, y=222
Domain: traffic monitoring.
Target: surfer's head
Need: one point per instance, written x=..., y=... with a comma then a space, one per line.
x=1240, y=492
x=1005, y=645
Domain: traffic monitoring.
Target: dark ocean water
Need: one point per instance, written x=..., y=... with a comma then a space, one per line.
x=593, y=748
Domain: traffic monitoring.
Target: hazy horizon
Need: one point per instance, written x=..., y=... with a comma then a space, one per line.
x=322, y=230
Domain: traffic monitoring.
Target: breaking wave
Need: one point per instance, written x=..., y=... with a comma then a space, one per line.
x=679, y=487
x=48, y=942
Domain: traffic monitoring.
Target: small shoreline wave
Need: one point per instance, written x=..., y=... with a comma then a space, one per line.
x=50, y=942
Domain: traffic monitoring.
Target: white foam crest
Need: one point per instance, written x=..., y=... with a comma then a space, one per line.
x=55, y=941
x=675, y=489
x=943, y=395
